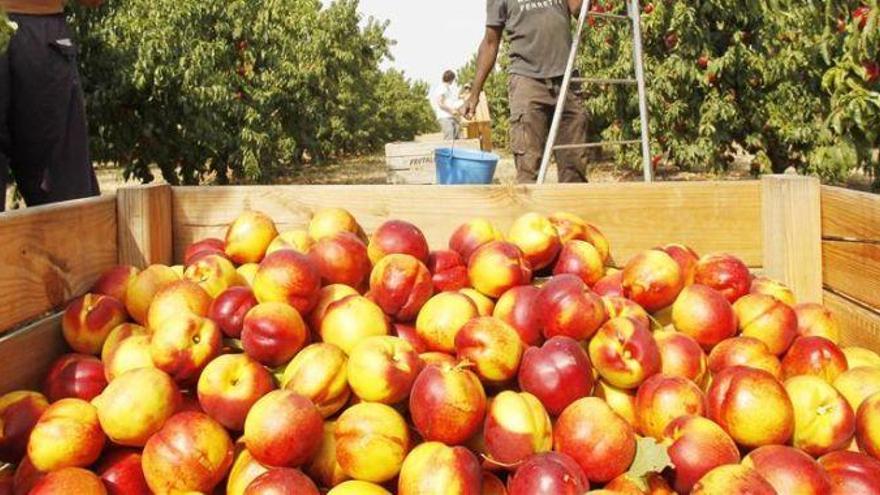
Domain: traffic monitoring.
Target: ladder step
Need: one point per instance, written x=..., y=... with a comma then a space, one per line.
x=560, y=147
x=610, y=16
x=599, y=80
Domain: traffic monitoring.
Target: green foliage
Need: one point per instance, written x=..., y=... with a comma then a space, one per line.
x=240, y=89
x=6, y=30
x=791, y=82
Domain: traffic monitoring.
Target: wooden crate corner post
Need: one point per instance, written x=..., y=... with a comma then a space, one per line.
x=792, y=224
x=144, y=225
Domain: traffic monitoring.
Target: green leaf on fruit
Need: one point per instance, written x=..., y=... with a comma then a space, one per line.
x=651, y=457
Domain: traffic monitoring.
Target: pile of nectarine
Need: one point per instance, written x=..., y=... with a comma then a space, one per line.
x=324, y=360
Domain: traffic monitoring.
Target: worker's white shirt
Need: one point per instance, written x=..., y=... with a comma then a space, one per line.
x=449, y=94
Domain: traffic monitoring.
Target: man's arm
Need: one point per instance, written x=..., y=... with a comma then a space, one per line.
x=486, y=58
x=574, y=6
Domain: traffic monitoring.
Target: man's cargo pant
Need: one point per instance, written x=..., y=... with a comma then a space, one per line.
x=532, y=103
x=43, y=131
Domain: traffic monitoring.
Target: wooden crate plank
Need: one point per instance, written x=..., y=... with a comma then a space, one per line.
x=28, y=353
x=852, y=215
x=144, y=233
x=860, y=326
x=709, y=216
x=51, y=254
x=793, y=233
x=853, y=269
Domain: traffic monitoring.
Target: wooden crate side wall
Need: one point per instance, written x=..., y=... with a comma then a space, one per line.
x=51, y=254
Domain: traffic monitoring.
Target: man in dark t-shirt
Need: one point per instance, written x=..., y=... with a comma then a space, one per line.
x=539, y=33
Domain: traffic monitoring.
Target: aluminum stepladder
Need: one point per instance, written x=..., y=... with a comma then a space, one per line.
x=634, y=15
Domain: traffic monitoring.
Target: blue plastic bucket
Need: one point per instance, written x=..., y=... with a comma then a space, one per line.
x=461, y=166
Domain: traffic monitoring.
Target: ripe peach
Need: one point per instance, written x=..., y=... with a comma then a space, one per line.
x=244, y=470
x=182, y=346
x=398, y=237
x=204, y=247
x=283, y=429
x=775, y=288
x=229, y=308
x=752, y=407
x=136, y=404
x=372, y=441
x=408, y=333
x=115, y=281
x=357, y=487
x=273, y=333
x=485, y=305
x=611, y=285
x=823, y=421
x=247, y=273
x=282, y=480
x=624, y=353
x=89, y=319
x=686, y=258
x=472, y=235
x=537, y=238
x=652, y=279
x=69, y=480
x=117, y=335
x=550, y=473
x=435, y=468
x=733, y=478
x=288, y=277
x=815, y=320
x=859, y=356
x=447, y=404
x=448, y=271
x=558, y=373
x=621, y=401
x=725, y=273
x=616, y=307
x=815, y=356
x=627, y=485
x=663, y=398
x=19, y=412
x=324, y=468
x=341, y=259
x=438, y=358
x=868, y=426
x=214, y=273
x=351, y=320
x=68, y=434
x=75, y=375
x=789, y=470
x=696, y=445
x=229, y=386
x=571, y=227
x=327, y=296
x=192, y=452
x=580, y=258
x=130, y=354
x=328, y=221
x=681, y=355
x=249, y=236
x=517, y=307
x=744, y=351
x=767, y=319
x=177, y=299
x=121, y=472
x=704, y=314
x=857, y=384
x=600, y=441
x=318, y=373
x=400, y=284
x=567, y=307
x=492, y=346
x=26, y=476
x=497, y=267
x=383, y=369
x=492, y=485
x=852, y=473
x=442, y=317
x=298, y=240
x=143, y=289
x=517, y=426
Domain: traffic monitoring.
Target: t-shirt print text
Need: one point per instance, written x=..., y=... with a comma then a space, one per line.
x=527, y=5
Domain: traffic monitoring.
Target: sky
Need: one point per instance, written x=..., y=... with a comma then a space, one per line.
x=431, y=35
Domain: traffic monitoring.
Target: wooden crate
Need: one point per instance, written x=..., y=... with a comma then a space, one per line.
x=822, y=241
x=413, y=163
